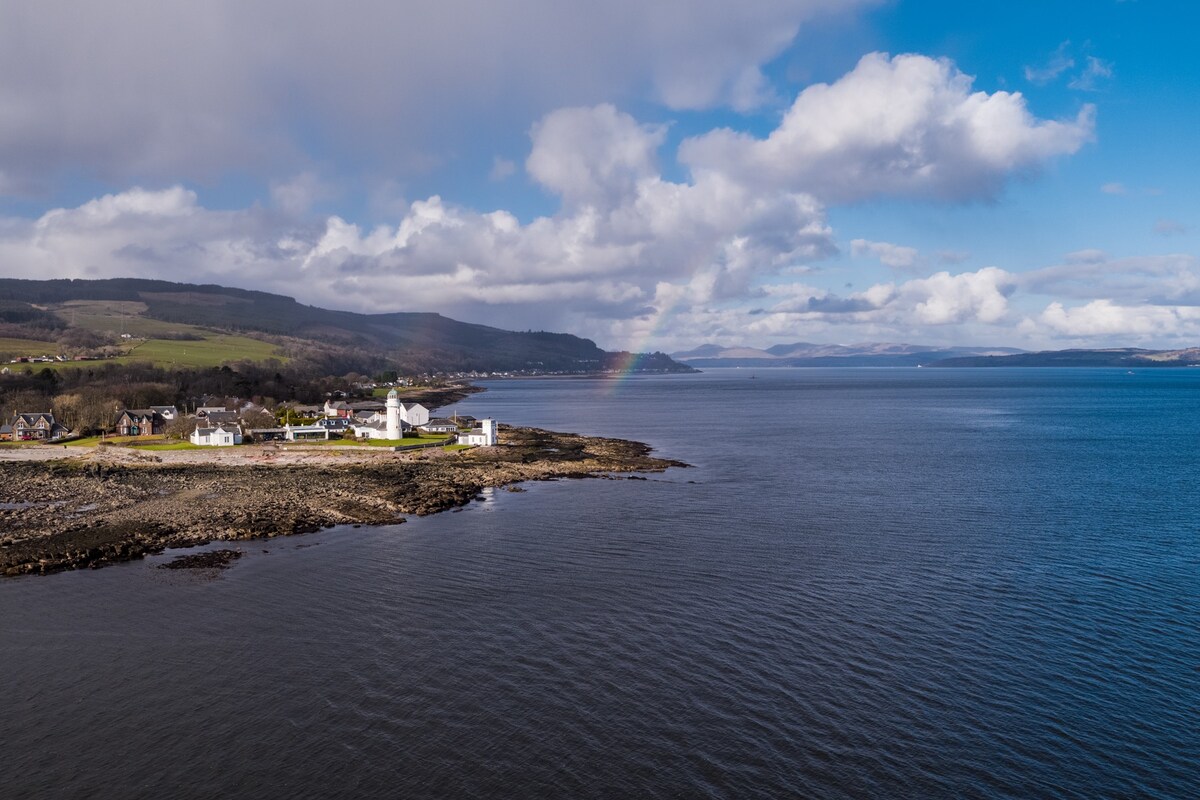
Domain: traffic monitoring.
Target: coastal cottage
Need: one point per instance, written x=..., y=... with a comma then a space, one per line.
x=36, y=426
x=484, y=436
x=139, y=422
x=305, y=433
x=440, y=425
x=216, y=437
x=334, y=424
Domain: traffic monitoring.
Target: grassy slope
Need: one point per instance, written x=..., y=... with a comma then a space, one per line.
x=27, y=347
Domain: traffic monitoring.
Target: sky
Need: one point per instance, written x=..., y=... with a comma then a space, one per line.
x=654, y=176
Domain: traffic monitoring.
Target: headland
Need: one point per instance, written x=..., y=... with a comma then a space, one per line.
x=66, y=509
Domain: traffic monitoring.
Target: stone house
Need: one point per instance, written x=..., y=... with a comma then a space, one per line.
x=32, y=427
x=140, y=422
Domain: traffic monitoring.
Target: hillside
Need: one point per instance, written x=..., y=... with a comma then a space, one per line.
x=806, y=354
x=257, y=325
x=1115, y=357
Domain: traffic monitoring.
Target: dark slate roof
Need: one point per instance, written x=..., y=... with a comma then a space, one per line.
x=139, y=413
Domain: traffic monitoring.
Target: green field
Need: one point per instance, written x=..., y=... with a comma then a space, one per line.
x=27, y=347
x=117, y=317
x=214, y=351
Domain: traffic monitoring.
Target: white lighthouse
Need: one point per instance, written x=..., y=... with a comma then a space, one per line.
x=393, y=415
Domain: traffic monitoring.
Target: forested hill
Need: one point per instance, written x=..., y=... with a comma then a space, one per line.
x=414, y=341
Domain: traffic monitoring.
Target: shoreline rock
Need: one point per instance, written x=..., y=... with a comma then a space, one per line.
x=101, y=507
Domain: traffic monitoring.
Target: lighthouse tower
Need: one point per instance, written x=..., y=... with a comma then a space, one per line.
x=393, y=415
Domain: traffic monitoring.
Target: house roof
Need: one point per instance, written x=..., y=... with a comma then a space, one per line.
x=138, y=412
x=440, y=421
x=410, y=406
x=211, y=431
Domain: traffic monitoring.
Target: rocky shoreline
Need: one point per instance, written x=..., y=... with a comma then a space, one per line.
x=114, y=504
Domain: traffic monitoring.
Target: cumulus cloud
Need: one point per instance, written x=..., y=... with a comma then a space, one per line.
x=1104, y=318
x=593, y=156
x=908, y=125
x=890, y=255
x=940, y=299
x=130, y=90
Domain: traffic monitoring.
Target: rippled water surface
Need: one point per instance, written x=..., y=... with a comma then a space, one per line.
x=873, y=583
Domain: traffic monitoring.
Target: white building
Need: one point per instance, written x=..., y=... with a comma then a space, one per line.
x=483, y=436
x=394, y=413
x=414, y=414
x=390, y=425
x=216, y=437
x=166, y=412
x=305, y=433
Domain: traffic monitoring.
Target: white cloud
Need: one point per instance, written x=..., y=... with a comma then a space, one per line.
x=1113, y=188
x=1089, y=79
x=129, y=90
x=1103, y=318
x=593, y=156
x=1059, y=62
x=908, y=125
x=940, y=299
x=890, y=255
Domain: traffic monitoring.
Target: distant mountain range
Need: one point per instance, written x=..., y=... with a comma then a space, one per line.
x=807, y=354
x=411, y=341
x=885, y=354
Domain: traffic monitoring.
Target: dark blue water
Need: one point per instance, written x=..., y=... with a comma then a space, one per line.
x=874, y=583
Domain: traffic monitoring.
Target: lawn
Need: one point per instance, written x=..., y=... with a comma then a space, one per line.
x=405, y=442
x=172, y=446
x=92, y=441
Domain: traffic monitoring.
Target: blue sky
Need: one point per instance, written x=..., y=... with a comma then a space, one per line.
x=1015, y=174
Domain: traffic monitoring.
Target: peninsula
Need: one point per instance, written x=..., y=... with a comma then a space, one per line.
x=63, y=510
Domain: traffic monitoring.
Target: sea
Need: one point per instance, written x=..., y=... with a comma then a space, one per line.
x=870, y=583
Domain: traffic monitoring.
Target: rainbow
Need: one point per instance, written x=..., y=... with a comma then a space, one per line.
x=628, y=362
